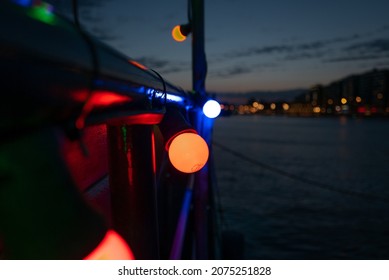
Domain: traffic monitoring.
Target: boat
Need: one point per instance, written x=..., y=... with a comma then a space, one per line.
x=84, y=150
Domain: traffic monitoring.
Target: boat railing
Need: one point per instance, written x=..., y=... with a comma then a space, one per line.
x=83, y=151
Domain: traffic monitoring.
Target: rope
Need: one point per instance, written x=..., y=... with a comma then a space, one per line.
x=295, y=177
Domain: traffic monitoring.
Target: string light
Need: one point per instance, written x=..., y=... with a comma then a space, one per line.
x=188, y=152
x=43, y=12
x=211, y=109
x=180, y=32
x=112, y=247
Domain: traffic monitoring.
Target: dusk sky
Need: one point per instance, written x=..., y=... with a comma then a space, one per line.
x=250, y=44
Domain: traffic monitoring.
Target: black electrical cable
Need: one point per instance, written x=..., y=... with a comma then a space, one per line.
x=299, y=178
x=75, y=13
x=95, y=62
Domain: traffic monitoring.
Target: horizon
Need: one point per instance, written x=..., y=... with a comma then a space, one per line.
x=250, y=45
x=269, y=91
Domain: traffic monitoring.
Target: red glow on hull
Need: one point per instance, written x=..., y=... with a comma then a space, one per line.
x=137, y=64
x=112, y=247
x=99, y=99
x=145, y=119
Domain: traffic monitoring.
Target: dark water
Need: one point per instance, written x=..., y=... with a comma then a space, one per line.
x=333, y=200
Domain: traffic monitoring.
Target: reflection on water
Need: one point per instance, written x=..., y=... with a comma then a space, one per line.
x=283, y=217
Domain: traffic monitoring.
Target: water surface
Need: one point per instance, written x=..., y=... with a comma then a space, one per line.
x=334, y=204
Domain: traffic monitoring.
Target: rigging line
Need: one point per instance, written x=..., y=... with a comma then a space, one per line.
x=217, y=196
x=299, y=178
x=215, y=186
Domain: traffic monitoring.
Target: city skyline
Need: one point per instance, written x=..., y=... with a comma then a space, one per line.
x=365, y=94
x=250, y=45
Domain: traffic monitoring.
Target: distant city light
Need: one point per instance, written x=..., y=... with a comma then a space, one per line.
x=380, y=96
x=316, y=109
x=330, y=101
x=273, y=106
x=343, y=100
x=285, y=106
x=358, y=99
x=211, y=109
x=361, y=110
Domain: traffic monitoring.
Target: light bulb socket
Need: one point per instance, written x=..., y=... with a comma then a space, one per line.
x=185, y=29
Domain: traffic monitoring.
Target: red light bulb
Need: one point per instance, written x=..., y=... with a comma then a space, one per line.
x=112, y=247
x=188, y=152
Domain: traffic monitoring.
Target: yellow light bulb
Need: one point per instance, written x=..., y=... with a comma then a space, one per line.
x=177, y=35
x=188, y=152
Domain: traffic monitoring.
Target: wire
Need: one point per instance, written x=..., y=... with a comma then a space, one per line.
x=87, y=107
x=75, y=13
x=217, y=196
x=299, y=178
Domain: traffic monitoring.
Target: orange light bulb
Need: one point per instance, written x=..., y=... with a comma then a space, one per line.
x=188, y=152
x=177, y=35
x=112, y=247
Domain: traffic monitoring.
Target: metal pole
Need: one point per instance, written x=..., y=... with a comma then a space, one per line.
x=199, y=72
x=199, y=63
x=132, y=184
x=176, y=251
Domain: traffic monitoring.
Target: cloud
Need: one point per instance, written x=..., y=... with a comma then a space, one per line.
x=103, y=34
x=152, y=62
x=91, y=3
x=238, y=70
x=368, y=50
x=259, y=51
x=164, y=66
x=232, y=71
x=376, y=46
x=352, y=58
x=289, y=52
x=305, y=55
x=296, y=51
x=331, y=50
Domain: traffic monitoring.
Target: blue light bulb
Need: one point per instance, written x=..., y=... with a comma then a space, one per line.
x=211, y=109
x=25, y=3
